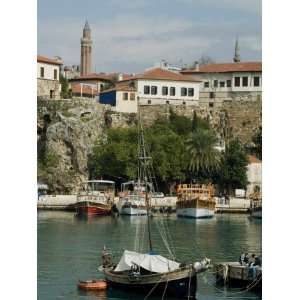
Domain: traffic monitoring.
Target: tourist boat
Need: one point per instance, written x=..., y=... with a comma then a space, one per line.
x=256, y=205
x=195, y=201
x=148, y=272
x=95, y=197
x=132, y=202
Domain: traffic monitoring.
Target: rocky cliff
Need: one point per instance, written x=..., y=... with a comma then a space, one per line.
x=68, y=129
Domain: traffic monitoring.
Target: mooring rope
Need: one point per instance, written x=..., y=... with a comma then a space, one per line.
x=190, y=276
x=165, y=289
x=154, y=287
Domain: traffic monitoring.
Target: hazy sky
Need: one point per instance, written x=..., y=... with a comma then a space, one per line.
x=131, y=35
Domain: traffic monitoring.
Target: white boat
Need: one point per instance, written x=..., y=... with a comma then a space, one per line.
x=132, y=203
x=195, y=201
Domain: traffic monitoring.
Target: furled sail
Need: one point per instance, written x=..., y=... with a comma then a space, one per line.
x=152, y=263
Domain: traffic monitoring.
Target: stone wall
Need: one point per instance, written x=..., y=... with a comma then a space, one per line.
x=44, y=86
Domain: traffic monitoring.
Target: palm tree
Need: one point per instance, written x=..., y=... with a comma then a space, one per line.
x=201, y=152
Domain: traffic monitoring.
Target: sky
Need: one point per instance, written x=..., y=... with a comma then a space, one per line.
x=131, y=35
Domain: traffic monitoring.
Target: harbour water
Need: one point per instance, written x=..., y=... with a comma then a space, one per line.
x=69, y=249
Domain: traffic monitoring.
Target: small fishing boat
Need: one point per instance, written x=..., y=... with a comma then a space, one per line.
x=95, y=197
x=92, y=284
x=195, y=201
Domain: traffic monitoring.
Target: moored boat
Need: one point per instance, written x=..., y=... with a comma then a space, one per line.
x=92, y=284
x=195, y=201
x=256, y=205
x=96, y=197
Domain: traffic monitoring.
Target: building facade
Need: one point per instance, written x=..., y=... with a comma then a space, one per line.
x=86, y=51
x=228, y=81
x=157, y=86
x=48, y=70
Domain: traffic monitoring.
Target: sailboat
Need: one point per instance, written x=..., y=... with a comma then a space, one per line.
x=151, y=273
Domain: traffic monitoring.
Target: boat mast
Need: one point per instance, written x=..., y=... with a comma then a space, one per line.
x=142, y=172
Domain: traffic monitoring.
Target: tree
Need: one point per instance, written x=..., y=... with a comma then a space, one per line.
x=257, y=140
x=233, y=170
x=205, y=60
x=202, y=155
x=65, y=92
x=198, y=123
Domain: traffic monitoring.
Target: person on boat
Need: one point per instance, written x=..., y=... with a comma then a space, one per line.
x=242, y=258
x=246, y=259
x=106, y=258
x=252, y=267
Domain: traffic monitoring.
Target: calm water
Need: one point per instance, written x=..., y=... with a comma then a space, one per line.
x=69, y=249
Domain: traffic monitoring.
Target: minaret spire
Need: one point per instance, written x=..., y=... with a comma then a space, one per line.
x=237, y=57
x=86, y=50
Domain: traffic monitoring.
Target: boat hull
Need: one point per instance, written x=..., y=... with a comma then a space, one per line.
x=131, y=211
x=195, y=213
x=92, y=209
x=177, y=284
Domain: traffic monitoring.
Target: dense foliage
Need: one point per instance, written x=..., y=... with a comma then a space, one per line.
x=182, y=150
x=65, y=92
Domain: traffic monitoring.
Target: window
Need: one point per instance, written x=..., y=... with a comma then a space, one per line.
x=215, y=83
x=149, y=101
x=125, y=96
x=132, y=96
x=42, y=70
x=146, y=89
x=172, y=91
x=183, y=91
x=153, y=90
x=191, y=92
x=206, y=84
x=55, y=74
x=211, y=95
x=228, y=83
x=183, y=102
x=167, y=102
x=211, y=104
x=245, y=81
x=256, y=81
x=164, y=90
x=237, y=81
x=51, y=94
x=222, y=83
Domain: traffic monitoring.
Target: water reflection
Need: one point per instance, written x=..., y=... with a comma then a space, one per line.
x=69, y=248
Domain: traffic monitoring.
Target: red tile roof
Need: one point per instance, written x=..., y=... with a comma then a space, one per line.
x=122, y=86
x=48, y=60
x=253, y=159
x=76, y=89
x=226, y=67
x=161, y=74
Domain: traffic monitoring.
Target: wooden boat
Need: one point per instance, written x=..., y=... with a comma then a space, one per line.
x=96, y=197
x=92, y=285
x=195, y=201
x=235, y=274
x=150, y=273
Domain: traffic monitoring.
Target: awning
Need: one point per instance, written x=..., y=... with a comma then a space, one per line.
x=152, y=263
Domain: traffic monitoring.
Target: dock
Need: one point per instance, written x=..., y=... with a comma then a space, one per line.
x=233, y=205
x=57, y=202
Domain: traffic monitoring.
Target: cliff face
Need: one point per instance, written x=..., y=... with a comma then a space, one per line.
x=67, y=131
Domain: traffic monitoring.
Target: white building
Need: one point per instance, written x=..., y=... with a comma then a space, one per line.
x=155, y=86
x=254, y=174
x=228, y=81
x=48, y=86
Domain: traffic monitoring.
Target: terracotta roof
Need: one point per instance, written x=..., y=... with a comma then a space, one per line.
x=161, y=74
x=227, y=67
x=253, y=159
x=76, y=88
x=121, y=87
x=48, y=60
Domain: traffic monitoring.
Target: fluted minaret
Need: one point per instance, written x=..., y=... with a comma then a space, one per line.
x=237, y=57
x=86, y=51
